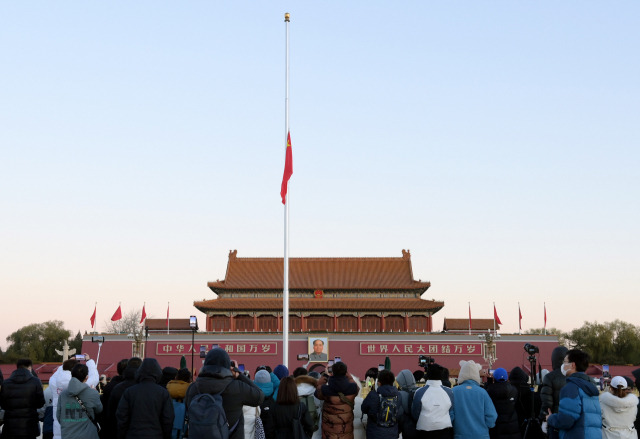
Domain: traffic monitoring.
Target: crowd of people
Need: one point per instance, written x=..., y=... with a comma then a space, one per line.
x=146, y=401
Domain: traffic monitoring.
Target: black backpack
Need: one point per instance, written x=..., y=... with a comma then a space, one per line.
x=206, y=417
x=387, y=410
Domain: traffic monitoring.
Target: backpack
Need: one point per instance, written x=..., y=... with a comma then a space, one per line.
x=387, y=411
x=312, y=409
x=206, y=417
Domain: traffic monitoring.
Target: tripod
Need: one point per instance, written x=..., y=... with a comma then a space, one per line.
x=532, y=430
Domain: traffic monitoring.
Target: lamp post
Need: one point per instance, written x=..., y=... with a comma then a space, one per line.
x=193, y=324
x=489, y=355
x=136, y=344
x=146, y=339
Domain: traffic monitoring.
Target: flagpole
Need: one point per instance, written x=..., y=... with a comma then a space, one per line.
x=167, y=317
x=285, y=290
x=469, y=317
x=545, y=317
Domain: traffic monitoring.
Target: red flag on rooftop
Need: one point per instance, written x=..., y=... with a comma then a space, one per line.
x=495, y=316
x=545, y=316
x=519, y=318
x=167, y=317
x=117, y=315
x=144, y=314
x=93, y=317
x=288, y=170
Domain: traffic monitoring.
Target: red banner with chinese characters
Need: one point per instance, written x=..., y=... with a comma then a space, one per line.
x=240, y=348
x=390, y=348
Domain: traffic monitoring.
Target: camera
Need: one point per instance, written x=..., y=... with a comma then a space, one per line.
x=531, y=349
x=424, y=361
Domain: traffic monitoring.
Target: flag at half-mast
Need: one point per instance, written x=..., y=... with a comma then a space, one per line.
x=288, y=170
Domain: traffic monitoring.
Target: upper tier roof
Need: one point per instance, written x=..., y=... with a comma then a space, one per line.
x=320, y=273
x=463, y=324
x=298, y=304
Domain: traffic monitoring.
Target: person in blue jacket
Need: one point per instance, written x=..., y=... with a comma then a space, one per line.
x=579, y=414
x=473, y=411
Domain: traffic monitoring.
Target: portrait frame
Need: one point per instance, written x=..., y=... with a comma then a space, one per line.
x=325, y=351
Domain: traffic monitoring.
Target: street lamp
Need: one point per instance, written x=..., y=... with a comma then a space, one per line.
x=146, y=339
x=490, y=354
x=193, y=324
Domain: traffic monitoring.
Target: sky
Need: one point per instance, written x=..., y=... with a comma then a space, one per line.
x=498, y=141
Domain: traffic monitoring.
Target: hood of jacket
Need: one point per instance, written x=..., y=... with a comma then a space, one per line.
x=149, y=370
x=583, y=381
x=306, y=379
x=267, y=388
x=21, y=375
x=618, y=404
x=217, y=361
x=387, y=390
x=518, y=376
x=76, y=387
x=306, y=385
x=406, y=380
x=339, y=384
x=557, y=356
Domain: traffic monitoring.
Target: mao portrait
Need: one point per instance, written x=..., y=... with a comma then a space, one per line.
x=318, y=349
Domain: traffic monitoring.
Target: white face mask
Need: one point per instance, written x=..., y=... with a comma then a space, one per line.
x=563, y=370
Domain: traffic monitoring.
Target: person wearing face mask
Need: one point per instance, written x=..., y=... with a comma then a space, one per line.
x=579, y=414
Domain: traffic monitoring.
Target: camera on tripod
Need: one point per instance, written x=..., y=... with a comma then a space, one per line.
x=531, y=349
x=424, y=361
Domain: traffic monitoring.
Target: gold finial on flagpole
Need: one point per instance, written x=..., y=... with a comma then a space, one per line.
x=286, y=17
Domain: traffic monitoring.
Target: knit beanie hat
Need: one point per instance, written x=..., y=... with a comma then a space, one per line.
x=281, y=371
x=262, y=376
x=263, y=381
x=469, y=370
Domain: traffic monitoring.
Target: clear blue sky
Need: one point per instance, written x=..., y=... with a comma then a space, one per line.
x=141, y=141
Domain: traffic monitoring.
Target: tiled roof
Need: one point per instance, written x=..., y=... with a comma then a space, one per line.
x=174, y=324
x=320, y=273
x=463, y=324
x=324, y=304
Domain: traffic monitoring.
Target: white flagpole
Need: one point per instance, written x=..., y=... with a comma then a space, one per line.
x=285, y=291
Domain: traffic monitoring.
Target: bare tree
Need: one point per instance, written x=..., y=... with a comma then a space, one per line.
x=128, y=324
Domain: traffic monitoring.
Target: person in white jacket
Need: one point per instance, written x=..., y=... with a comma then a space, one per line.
x=59, y=382
x=619, y=410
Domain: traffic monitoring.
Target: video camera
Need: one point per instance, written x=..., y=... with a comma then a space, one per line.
x=424, y=361
x=531, y=349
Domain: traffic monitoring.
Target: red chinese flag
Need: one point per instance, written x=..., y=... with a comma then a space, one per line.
x=93, y=317
x=144, y=315
x=520, y=318
x=288, y=170
x=167, y=316
x=117, y=315
x=545, y=315
x=495, y=316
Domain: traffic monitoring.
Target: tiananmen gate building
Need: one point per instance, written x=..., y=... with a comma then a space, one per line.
x=359, y=309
